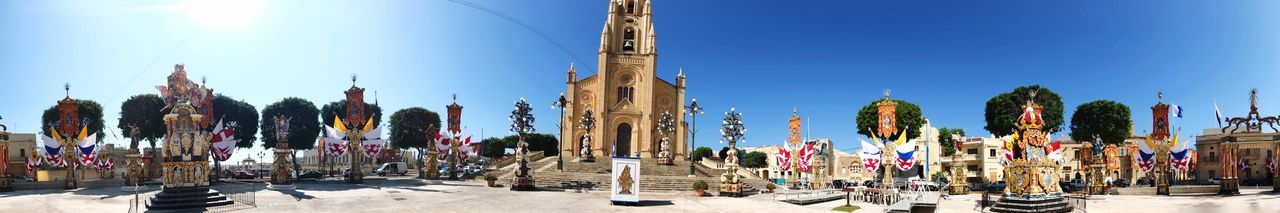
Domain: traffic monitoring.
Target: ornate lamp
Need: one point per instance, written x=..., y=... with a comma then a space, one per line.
x=733, y=131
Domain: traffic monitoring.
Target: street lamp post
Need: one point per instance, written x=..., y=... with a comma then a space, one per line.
x=258, y=171
x=694, y=110
x=561, y=103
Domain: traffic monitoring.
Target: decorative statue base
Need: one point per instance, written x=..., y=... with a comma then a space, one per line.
x=133, y=166
x=1031, y=175
x=6, y=184
x=958, y=185
x=282, y=172
x=664, y=156
x=730, y=184
x=431, y=170
x=1097, y=181
x=523, y=181
x=1229, y=186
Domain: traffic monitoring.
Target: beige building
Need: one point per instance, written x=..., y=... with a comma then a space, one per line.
x=20, y=147
x=1255, y=147
x=626, y=95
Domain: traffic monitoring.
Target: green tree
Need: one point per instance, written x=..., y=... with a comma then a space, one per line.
x=87, y=110
x=493, y=147
x=700, y=153
x=304, y=125
x=948, y=144
x=409, y=129
x=755, y=160
x=1003, y=110
x=238, y=114
x=146, y=112
x=724, y=153
x=907, y=114
x=1102, y=118
x=537, y=142
x=339, y=108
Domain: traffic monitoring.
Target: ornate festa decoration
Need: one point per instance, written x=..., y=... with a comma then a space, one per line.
x=187, y=146
x=355, y=134
x=733, y=131
x=666, y=126
x=186, y=142
x=959, y=185
x=793, y=140
x=455, y=129
x=1231, y=161
x=6, y=184
x=1032, y=173
x=898, y=153
x=68, y=143
x=587, y=123
x=282, y=172
x=522, y=123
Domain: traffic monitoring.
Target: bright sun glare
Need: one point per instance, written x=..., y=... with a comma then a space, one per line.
x=222, y=14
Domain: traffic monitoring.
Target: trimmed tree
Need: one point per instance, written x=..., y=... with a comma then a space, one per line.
x=1104, y=119
x=907, y=114
x=493, y=148
x=755, y=160
x=947, y=143
x=239, y=114
x=701, y=152
x=303, y=125
x=1003, y=110
x=409, y=129
x=537, y=142
x=146, y=112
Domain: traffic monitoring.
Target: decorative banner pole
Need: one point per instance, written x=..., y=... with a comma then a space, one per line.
x=455, y=130
x=1160, y=134
x=733, y=131
x=794, y=138
x=521, y=123
x=887, y=111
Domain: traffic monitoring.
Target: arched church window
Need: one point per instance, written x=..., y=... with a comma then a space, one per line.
x=631, y=7
x=626, y=89
x=629, y=40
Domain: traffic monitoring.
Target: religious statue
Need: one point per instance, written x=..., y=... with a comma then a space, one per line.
x=666, y=125
x=625, y=181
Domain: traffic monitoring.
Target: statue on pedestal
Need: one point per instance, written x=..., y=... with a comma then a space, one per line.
x=522, y=122
x=282, y=167
x=733, y=131
x=666, y=125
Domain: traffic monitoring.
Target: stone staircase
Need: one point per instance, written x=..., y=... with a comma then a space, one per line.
x=186, y=200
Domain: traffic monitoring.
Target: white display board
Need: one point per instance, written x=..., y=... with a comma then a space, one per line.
x=625, y=187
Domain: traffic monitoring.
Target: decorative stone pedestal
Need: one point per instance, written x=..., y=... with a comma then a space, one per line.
x=133, y=169
x=1027, y=205
x=730, y=189
x=522, y=184
x=1229, y=186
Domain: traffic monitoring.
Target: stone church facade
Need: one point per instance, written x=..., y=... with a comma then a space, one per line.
x=625, y=95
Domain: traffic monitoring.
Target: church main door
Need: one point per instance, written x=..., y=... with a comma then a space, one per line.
x=623, y=143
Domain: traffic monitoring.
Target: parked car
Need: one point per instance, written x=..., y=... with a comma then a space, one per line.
x=392, y=168
x=311, y=175
x=1066, y=186
x=1215, y=180
x=243, y=175
x=1079, y=184
x=995, y=187
x=1122, y=183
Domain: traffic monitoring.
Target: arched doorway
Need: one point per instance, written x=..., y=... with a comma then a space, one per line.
x=623, y=143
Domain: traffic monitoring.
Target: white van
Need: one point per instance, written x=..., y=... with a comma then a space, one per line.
x=392, y=168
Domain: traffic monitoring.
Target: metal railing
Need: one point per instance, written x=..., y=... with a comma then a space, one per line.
x=242, y=194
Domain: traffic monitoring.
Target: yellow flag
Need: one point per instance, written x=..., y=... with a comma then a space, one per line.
x=57, y=137
x=84, y=131
x=902, y=137
x=368, y=125
x=1174, y=143
x=337, y=124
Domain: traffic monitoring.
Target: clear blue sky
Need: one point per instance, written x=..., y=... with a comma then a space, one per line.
x=828, y=58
